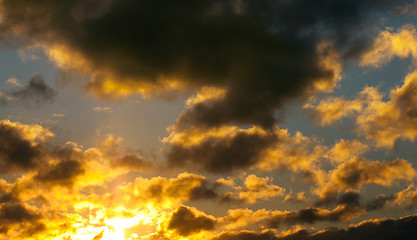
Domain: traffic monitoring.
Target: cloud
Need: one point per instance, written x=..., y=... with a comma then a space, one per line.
x=254, y=189
x=384, y=229
x=379, y=202
x=58, y=115
x=407, y=196
x=61, y=173
x=382, y=121
x=252, y=51
x=229, y=148
x=332, y=109
x=299, y=198
x=13, y=81
x=310, y=215
x=165, y=192
x=245, y=235
x=100, y=109
x=15, y=214
x=264, y=219
x=388, y=45
x=187, y=221
x=132, y=162
x=21, y=146
x=219, y=150
x=37, y=91
x=345, y=150
x=358, y=172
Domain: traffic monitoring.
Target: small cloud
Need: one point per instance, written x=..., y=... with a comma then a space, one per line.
x=100, y=109
x=13, y=81
x=37, y=91
x=58, y=115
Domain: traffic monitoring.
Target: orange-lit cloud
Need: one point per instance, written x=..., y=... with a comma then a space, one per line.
x=254, y=189
x=388, y=45
x=383, y=122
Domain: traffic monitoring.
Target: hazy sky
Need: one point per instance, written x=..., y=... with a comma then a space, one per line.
x=215, y=119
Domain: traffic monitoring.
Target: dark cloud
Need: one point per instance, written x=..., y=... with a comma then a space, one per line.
x=358, y=172
x=15, y=213
x=264, y=52
x=37, y=91
x=61, y=173
x=203, y=192
x=351, y=198
x=312, y=215
x=67, y=163
x=185, y=222
x=379, y=202
x=245, y=235
x=20, y=153
x=16, y=152
x=222, y=154
x=132, y=162
x=390, y=229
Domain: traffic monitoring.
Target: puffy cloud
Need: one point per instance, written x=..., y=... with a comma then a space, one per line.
x=407, y=196
x=187, y=221
x=299, y=198
x=109, y=148
x=229, y=148
x=311, y=215
x=379, y=202
x=402, y=228
x=17, y=220
x=132, y=162
x=388, y=45
x=61, y=173
x=251, y=51
x=14, y=81
x=261, y=219
x=21, y=146
x=242, y=218
x=37, y=91
x=245, y=235
x=219, y=150
x=344, y=150
x=383, y=122
x=296, y=153
x=100, y=109
x=358, y=172
x=165, y=192
x=254, y=189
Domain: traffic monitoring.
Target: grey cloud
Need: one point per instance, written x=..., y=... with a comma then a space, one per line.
x=17, y=153
x=312, y=215
x=379, y=202
x=264, y=51
x=220, y=155
x=132, y=162
x=37, y=91
x=62, y=173
x=15, y=213
x=186, y=222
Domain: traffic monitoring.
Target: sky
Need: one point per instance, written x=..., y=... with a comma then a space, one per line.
x=214, y=119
